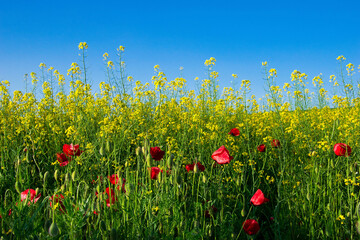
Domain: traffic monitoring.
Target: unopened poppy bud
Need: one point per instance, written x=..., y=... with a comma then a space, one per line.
x=138, y=151
x=17, y=187
x=204, y=178
x=74, y=176
x=36, y=191
x=62, y=188
x=196, y=168
x=101, y=151
x=47, y=224
x=53, y=230
x=46, y=175
x=56, y=175
x=243, y=212
x=351, y=168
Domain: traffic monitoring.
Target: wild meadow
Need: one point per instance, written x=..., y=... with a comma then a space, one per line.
x=160, y=160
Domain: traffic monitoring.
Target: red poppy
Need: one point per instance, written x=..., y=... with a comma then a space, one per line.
x=63, y=159
x=258, y=198
x=156, y=153
x=72, y=150
x=275, y=143
x=235, y=132
x=190, y=167
x=261, y=148
x=114, y=179
x=155, y=172
x=251, y=226
x=341, y=149
x=95, y=213
x=111, y=200
x=222, y=156
x=57, y=199
x=33, y=197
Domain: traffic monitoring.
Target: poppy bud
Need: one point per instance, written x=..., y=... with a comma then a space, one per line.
x=53, y=230
x=36, y=191
x=204, y=178
x=62, y=188
x=101, y=151
x=138, y=151
x=56, y=175
x=46, y=176
x=243, y=212
x=47, y=224
x=74, y=176
x=196, y=168
x=17, y=187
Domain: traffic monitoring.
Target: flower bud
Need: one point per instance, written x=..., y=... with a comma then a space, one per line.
x=196, y=168
x=56, y=175
x=204, y=178
x=17, y=187
x=243, y=212
x=36, y=191
x=53, y=230
x=46, y=175
x=138, y=151
x=74, y=176
x=101, y=151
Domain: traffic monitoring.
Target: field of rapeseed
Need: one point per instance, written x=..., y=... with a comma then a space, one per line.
x=162, y=161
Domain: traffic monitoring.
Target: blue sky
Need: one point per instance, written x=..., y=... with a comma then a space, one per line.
x=306, y=35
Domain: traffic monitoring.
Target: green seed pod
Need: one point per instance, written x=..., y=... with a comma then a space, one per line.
x=56, y=175
x=53, y=230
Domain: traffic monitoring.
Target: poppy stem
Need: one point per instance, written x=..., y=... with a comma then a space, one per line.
x=242, y=226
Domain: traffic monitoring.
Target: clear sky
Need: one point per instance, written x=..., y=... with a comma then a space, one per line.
x=303, y=35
